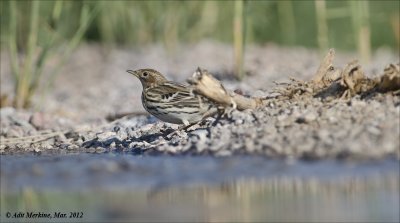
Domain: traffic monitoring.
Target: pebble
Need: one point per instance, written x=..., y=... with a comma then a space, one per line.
x=6, y=111
x=332, y=119
x=100, y=149
x=373, y=130
x=308, y=117
x=46, y=145
x=201, y=134
x=91, y=150
x=105, y=135
x=40, y=120
x=72, y=147
x=15, y=132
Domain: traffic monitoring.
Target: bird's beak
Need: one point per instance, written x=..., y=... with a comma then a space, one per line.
x=132, y=72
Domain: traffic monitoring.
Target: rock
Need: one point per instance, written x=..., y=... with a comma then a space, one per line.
x=46, y=145
x=41, y=120
x=72, y=135
x=146, y=128
x=105, y=135
x=100, y=149
x=122, y=135
x=6, y=111
x=15, y=132
x=91, y=150
x=307, y=118
x=72, y=147
x=199, y=133
x=116, y=128
x=373, y=130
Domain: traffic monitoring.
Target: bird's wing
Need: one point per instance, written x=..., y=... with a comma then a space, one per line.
x=173, y=93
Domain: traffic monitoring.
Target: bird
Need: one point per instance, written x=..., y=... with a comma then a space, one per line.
x=172, y=102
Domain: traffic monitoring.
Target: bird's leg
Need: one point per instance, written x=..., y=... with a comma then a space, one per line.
x=186, y=125
x=221, y=112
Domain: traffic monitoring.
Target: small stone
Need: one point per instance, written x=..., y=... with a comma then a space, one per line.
x=116, y=128
x=271, y=105
x=186, y=147
x=72, y=135
x=147, y=127
x=40, y=120
x=131, y=133
x=122, y=135
x=100, y=150
x=20, y=145
x=307, y=118
x=133, y=145
x=373, y=130
x=15, y=132
x=311, y=116
x=7, y=111
x=332, y=119
x=105, y=135
x=281, y=117
x=79, y=141
x=91, y=150
x=46, y=145
x=2, y=148
x=64, y=146
x=309, y=90
x=249, y=145
x=72, y=147
x=200, y=133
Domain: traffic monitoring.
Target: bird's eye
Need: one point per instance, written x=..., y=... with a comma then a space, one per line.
x=145, y=74
x=331, y=68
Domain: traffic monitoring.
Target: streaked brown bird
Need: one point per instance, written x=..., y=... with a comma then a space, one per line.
x=172, y=102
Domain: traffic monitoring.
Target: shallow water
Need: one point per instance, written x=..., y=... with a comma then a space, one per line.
x=113, y=187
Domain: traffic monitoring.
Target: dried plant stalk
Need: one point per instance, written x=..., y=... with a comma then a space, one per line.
x=325, y=72
x=205, y=84
x=390, y=80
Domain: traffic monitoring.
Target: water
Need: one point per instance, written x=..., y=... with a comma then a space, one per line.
x=112, y=187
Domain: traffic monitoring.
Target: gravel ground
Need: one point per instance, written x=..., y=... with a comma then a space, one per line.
x=94, y=84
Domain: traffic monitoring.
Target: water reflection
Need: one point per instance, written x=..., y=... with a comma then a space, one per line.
x=205, y=189
x=374, y=199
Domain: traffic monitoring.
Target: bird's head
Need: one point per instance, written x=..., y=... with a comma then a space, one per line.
x=148, y=77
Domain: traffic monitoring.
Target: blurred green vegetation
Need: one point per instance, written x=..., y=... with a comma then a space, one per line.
x=172, y=22
x=33, y=31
